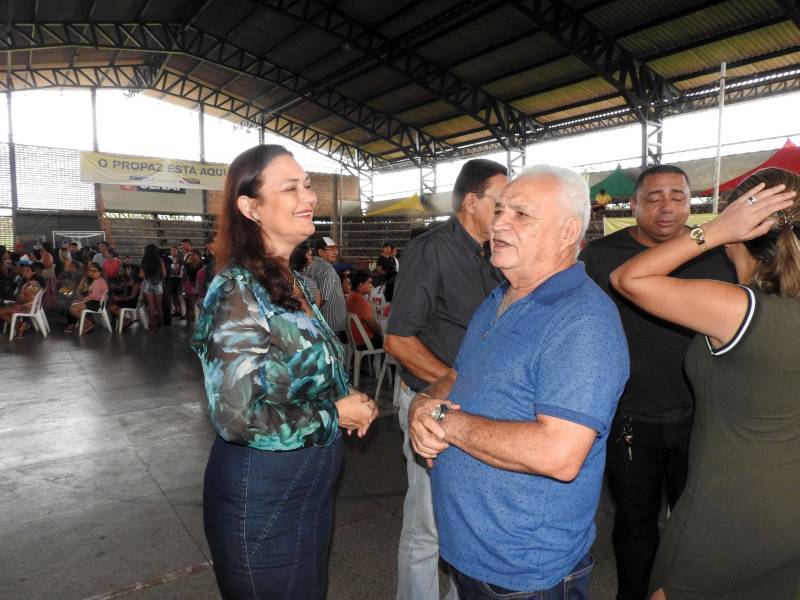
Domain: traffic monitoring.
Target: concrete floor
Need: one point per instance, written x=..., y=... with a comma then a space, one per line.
x=103, y=443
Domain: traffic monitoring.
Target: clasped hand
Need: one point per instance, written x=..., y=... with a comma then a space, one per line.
x=356, y=412
x=427, y=436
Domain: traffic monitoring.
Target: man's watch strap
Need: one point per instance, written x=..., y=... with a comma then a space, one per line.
x=440, y=412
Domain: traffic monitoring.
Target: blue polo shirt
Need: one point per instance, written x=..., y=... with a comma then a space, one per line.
x=560, y=351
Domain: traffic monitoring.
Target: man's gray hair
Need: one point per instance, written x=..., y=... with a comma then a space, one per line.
x=576, y=191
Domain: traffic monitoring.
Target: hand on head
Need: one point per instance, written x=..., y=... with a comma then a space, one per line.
x=751, y=215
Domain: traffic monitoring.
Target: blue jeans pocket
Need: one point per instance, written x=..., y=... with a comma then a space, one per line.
x=576, y=584
x=500, y=593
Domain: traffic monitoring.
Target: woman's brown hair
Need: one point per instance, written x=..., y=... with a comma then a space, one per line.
x=778, y=250
x=240, y=240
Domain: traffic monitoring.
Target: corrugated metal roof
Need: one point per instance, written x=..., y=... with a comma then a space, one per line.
x=471, y=38
x=377, y=80
x=625, y=15
x=556, y=116
x=416, y=14
x=531, y=50
x=428, y=112
x=400, y=98
x=539, y=78
x=728, y=17
x=781, y=62
x=740, y=47
x=452, y=126
x=565, y=95
x=431, y=64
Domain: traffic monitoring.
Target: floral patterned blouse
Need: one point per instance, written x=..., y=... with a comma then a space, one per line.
x=272, y=375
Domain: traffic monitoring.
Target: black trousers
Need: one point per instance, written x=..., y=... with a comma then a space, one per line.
x=91, y=305
x=377, y=343
x=638, y=483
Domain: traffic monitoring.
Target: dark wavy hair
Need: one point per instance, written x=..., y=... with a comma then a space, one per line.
x=778, y=250
x=239, y=239
x=298, y=260
x=151, y=261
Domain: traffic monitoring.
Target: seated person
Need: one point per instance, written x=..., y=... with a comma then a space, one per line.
x=38, y=270
x=25, y=270
x=602, y=198
x=68, y=281
x=7, y=274
x=126, y=294
x=111, y=265
x=26, y=291
x=358, y=304
x=90, y=291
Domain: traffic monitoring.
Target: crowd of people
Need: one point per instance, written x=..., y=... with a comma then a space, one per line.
x=531, y=366
x=77, y=278
x=661, y=359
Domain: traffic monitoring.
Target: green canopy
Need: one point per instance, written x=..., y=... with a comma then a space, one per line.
x=617, y=185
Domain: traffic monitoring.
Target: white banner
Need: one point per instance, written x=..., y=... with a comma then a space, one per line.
x=121, y=169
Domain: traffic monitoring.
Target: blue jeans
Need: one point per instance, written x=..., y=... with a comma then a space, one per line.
x=268, y=519
x=574, y=586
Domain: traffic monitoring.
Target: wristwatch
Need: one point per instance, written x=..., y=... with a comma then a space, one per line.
x=699, y=236
x=440, y=412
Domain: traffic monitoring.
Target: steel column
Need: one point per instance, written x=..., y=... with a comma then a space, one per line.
x=515, y=160
x=427, y=179
x=652, y=138
x=12, y=168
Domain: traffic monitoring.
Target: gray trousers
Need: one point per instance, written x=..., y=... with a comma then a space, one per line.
x=418, y=552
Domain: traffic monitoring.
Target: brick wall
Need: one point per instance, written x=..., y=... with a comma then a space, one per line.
x=214, y=200
x=321, y=183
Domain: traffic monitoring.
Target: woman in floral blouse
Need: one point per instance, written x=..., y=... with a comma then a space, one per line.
x=277, y=391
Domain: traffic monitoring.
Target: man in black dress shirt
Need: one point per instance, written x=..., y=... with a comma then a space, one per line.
x=648, y=446
x=446, y=275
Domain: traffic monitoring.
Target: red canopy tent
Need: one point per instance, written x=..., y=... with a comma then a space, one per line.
x=787, y=158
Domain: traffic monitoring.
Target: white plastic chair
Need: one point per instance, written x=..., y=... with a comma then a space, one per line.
x=388, y=362
x=135, y=314
x=100, y=311
x=36, y=315
x=359, y=354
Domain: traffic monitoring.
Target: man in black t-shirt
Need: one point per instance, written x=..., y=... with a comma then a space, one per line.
x=386, y=263
x=647, y=451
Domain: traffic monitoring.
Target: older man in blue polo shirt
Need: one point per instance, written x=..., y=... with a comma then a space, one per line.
x=519, y=446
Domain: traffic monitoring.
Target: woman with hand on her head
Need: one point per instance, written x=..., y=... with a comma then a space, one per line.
x=277, y=391
x=735, y=532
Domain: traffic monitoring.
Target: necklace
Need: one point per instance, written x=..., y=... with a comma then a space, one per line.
x=300, y=295
x=504, y=304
